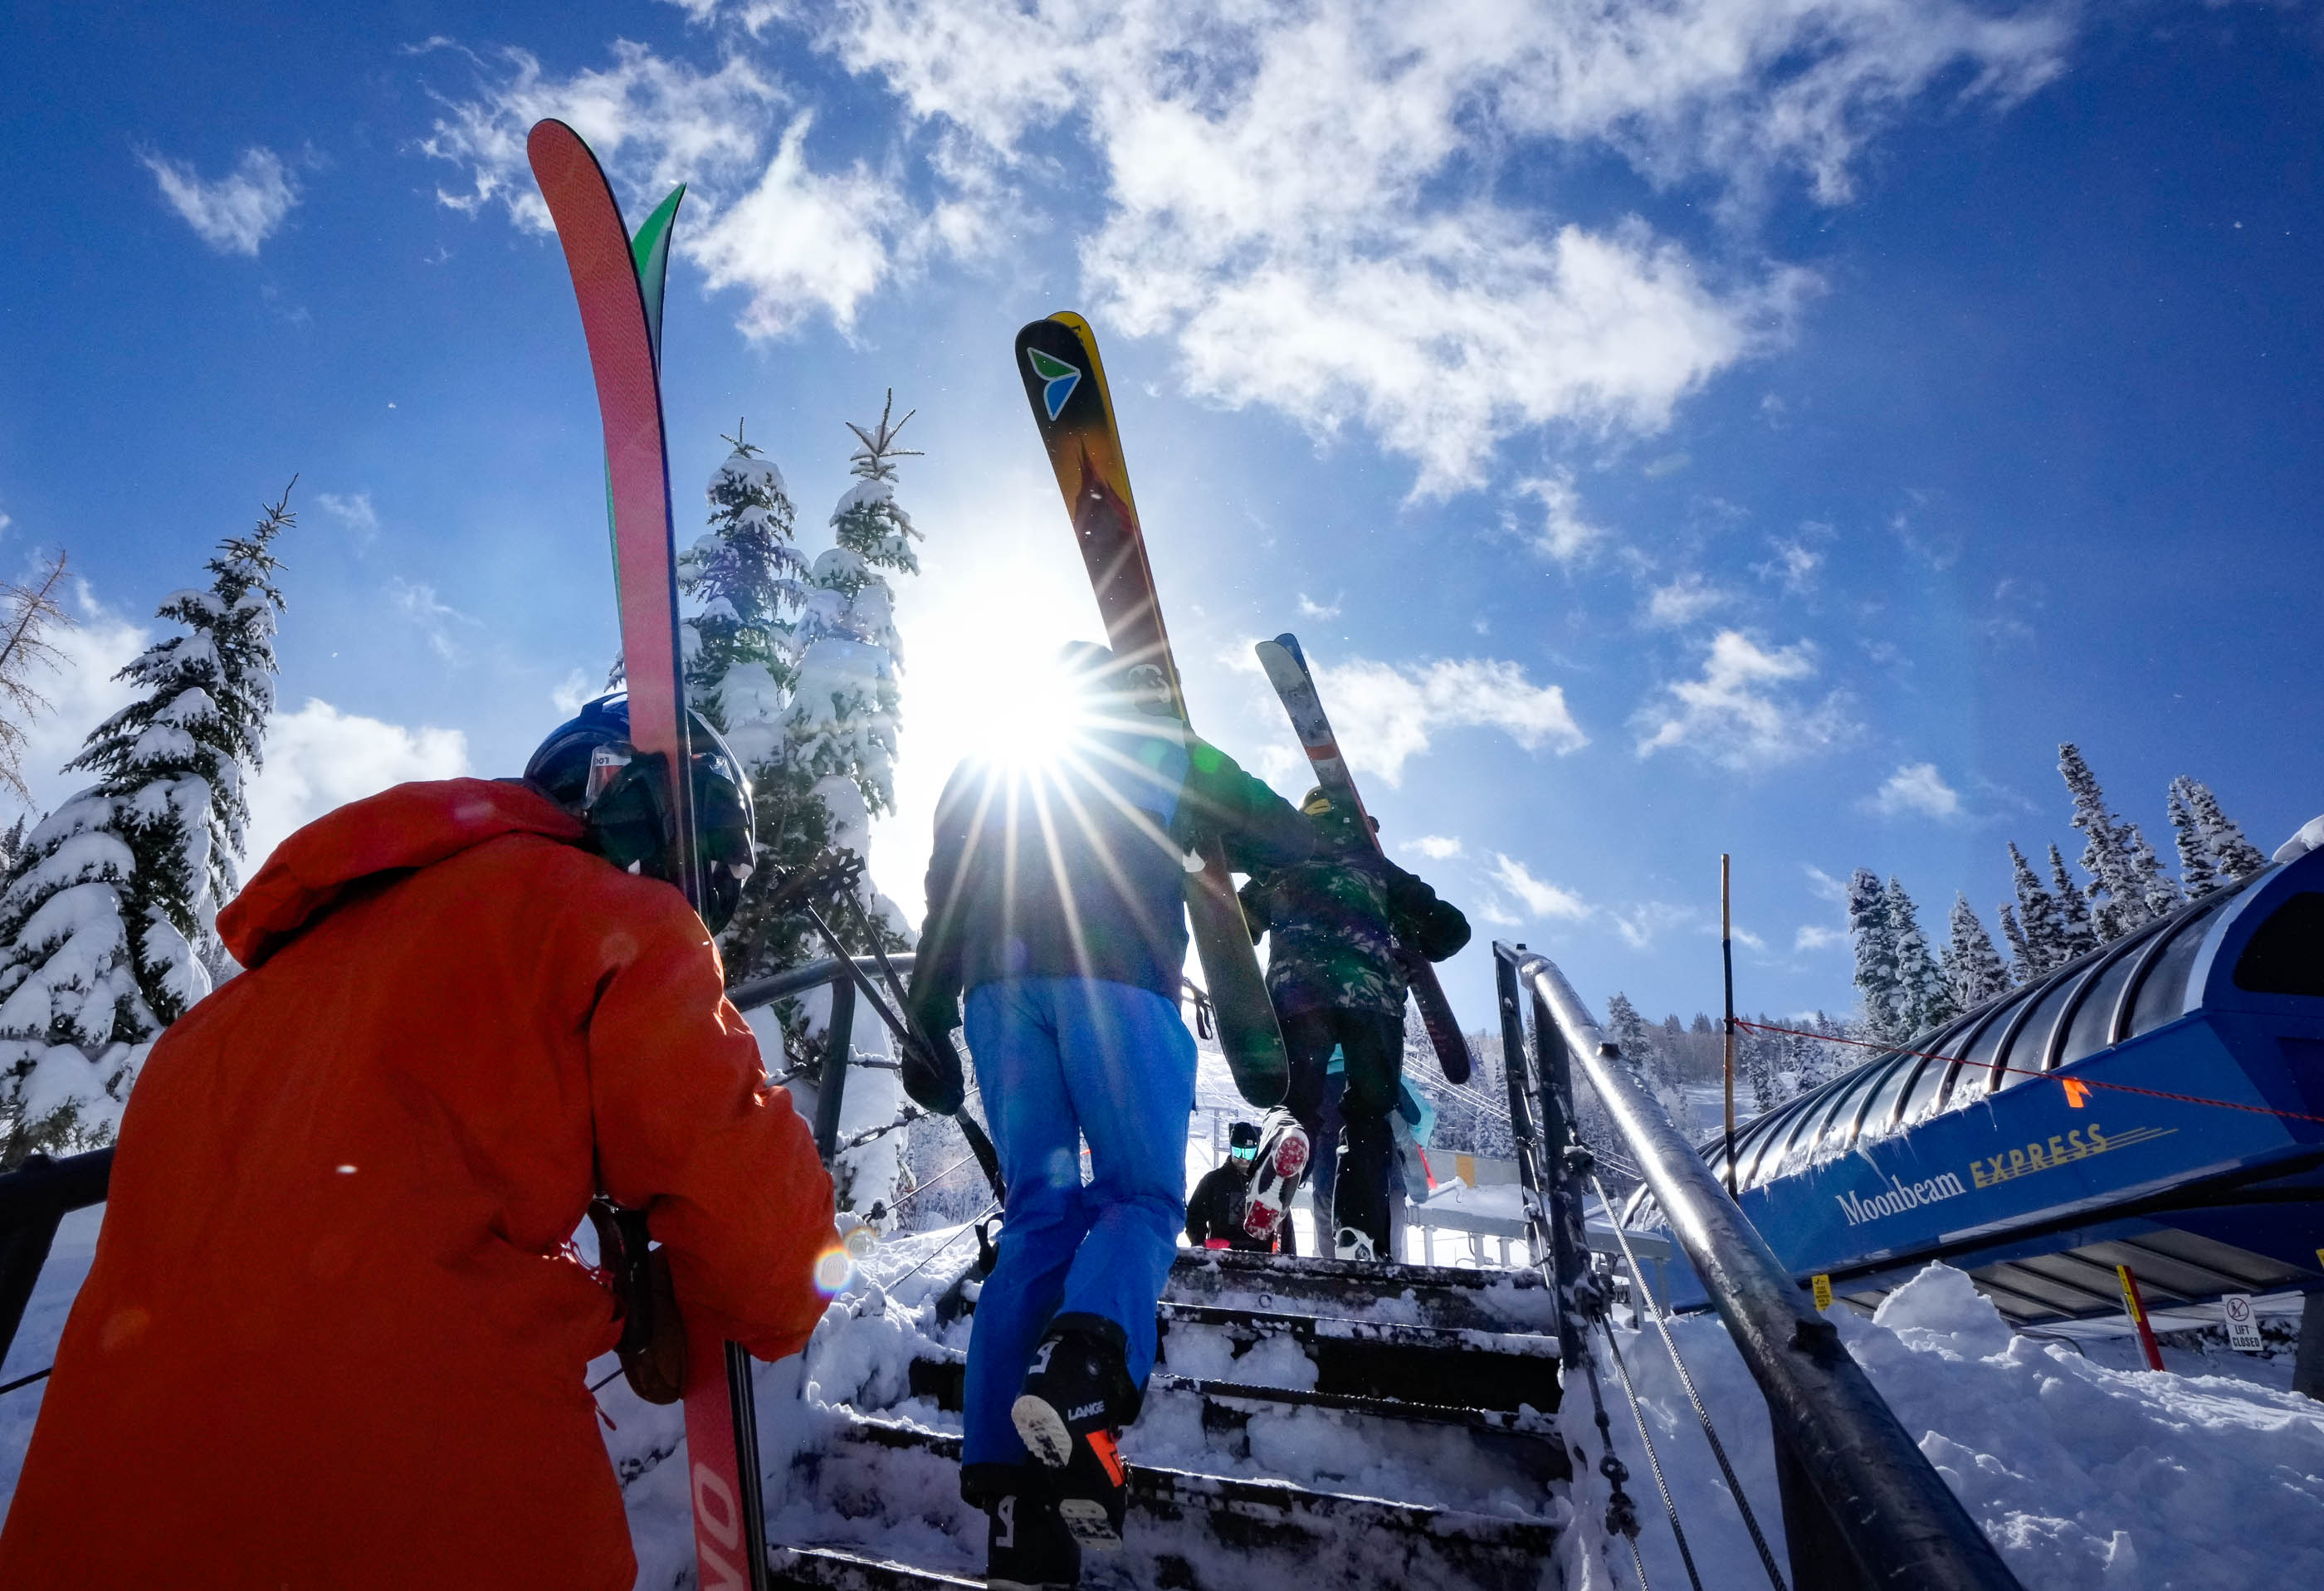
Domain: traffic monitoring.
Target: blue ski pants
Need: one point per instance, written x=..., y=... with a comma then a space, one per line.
x=1060, y=1060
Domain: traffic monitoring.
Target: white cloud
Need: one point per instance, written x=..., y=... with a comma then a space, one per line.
x=435, y=617
x=1566, y=534
x=1438, y=847
x=1824, y=885
x=1308, y=201
x=1311, y=609
x=1385, y=714
x=1740, y=714
x=355, y=511
x=1814, y=937
x=1543, y=900
x=1916, y=787
x=320, y=758
x=1683, y=601
x=1640, y=926
x=233, y=214
x=760, y=217
x=576, y=688
x=1796, y=563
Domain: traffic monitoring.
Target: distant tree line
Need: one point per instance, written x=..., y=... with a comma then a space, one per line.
x=2123, y=886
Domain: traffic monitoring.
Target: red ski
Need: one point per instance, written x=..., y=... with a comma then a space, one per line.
x=722, y=1438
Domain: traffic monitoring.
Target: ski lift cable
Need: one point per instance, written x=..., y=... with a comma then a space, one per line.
x=1662, y=1324
x=984, y=1214
x=1670, y=1508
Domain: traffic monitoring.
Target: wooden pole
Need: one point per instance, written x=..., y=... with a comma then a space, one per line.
x=2135, y=1305
x=1726, y=965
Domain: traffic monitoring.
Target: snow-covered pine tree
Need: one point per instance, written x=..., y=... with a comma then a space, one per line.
x=843, y=718
x=2232, y=856
x=750, y=580
x=2021, y=965
x=1757, y=1057
x=840, y=741
x=1972, y=967
x=108, y=920
x=2037, y=936
x=2158, y=890
x=2078, y=933
x=2198, y=875
x=1628, y=1030
x=741, y=666
x=1926, y=999
x=2127, y=887
x=1874, y=936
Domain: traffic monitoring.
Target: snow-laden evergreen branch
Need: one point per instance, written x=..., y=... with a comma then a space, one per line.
x=108, y=915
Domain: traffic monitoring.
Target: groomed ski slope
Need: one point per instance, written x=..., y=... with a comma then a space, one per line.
x=2085, y=1475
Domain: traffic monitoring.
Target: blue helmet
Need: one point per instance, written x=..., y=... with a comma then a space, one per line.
x=588, y=767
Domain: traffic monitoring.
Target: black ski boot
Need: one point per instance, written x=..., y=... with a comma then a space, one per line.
x=1027, y=1546
x=1078, y=1397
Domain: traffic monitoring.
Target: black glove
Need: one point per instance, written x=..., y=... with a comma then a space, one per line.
x=931, y=1067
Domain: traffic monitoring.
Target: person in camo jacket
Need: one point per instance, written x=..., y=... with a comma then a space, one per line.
x=1337, y=921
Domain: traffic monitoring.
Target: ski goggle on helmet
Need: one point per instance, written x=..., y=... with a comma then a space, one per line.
x=589, y=768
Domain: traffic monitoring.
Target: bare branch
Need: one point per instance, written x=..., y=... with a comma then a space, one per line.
x=29, y=613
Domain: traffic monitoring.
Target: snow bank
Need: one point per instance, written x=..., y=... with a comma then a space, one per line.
x=2084, y=1475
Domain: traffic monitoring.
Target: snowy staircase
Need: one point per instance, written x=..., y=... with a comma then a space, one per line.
x=1332, y=1424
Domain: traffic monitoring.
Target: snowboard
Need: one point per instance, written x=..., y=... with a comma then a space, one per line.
x=1287, y=672
x=721, y=1420
x=1065, y=381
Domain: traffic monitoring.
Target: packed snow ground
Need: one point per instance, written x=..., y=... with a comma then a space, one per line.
x=2086, y=1473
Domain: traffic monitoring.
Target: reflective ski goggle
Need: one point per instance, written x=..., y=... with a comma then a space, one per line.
x=605, y=765
x=1244, y=1152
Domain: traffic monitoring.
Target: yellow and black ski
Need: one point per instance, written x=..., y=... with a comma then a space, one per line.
x=1057, y=358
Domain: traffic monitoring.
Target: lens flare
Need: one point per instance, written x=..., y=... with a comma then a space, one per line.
x=835, y=1267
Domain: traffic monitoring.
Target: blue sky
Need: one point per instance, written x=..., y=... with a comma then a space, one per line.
x=1767, y=426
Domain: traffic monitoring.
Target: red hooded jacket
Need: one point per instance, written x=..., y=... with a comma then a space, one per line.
x=331, y=1339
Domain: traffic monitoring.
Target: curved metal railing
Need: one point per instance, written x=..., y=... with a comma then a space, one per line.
x=1862, y=1505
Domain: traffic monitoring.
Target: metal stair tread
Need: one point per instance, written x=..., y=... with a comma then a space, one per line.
x=843, y=1568
x=1403, y=1409
x=1377, y=1275
x=1150, y=1483
x=1463, y=1339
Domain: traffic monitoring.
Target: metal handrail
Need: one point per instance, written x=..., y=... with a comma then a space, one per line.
x=1886, y=1502
x=776, y=986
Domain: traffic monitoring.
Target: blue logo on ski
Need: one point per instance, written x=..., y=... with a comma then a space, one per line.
x=1059, y=379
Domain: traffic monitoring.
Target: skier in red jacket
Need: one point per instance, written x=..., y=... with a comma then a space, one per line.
x=334, y=1336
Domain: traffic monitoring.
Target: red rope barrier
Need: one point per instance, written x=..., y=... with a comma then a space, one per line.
x=2070, y=1083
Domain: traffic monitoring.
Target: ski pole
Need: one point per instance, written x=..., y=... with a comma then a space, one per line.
x=978, y=1143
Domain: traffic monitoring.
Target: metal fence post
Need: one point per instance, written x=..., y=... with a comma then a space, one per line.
x=1568, y=1237
x=1524, y=1138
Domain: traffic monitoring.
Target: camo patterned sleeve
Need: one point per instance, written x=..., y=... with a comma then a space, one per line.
x=1435, y=928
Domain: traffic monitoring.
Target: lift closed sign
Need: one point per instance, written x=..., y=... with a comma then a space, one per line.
x=2243, y=1329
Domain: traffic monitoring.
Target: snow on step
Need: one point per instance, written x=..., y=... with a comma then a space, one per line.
x=1274, y=1432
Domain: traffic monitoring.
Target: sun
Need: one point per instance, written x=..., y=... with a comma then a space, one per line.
x=1036, y=719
